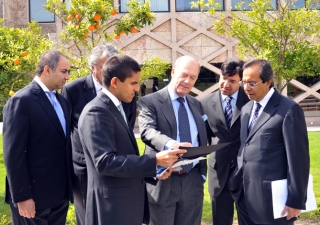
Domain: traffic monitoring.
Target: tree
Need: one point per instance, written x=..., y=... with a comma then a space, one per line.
x=89, y=22
x=154, y=67
x=287, y=36
x=20, y=50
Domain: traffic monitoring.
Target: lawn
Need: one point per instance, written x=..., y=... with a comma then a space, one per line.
x=314, y=170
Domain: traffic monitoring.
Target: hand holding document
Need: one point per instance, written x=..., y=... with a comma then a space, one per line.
x=280, y=193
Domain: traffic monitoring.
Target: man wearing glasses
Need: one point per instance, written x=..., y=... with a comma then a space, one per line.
x=274, y=146
x=223, y=109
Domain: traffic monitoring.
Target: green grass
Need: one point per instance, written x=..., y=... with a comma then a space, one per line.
x=206, y=216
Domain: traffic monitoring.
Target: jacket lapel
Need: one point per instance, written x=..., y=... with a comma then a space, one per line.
x=241, y=101
x=45, y=103
x=167, y=110
x=89, y=89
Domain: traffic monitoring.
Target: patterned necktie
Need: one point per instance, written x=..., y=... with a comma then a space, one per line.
x=255, y=117
x=122, y=113
x=184, y=129
x=228, y=111
x=58, y=110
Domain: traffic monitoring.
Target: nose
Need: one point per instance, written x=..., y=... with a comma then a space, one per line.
x=67, y=76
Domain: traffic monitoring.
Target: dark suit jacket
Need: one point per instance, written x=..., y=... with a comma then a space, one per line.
x=218, y=132
x=116, y=187
x=36, y=153
x=276, y=148
x=158, y=125
x=78, y=93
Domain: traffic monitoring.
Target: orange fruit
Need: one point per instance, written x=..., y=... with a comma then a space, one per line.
x=97, y=17
x=103, y=9
x=86, y=34
x=97, y=26
x=122, y=32
x=16, y=61
x=91, y=27
x=134, y=30
x=11, y=93
x=84, y=38
x=78, y=17
x=113, y=12
x=75, y=13
x=116, y=36
x=70, y=18
x=25, y=53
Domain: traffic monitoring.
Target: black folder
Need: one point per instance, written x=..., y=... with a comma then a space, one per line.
x=194, y=152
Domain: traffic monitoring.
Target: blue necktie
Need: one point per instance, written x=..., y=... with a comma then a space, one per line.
x=255, y=117
x=184, y=129
x=122, y=113
x=58, y=110
x=228, y=111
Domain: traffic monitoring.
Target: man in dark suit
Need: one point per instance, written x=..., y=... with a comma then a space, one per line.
x=170, y=118
x=223, y=125
x=274, y=146
x=35, y=143
x=116, y=188
x=78, y=93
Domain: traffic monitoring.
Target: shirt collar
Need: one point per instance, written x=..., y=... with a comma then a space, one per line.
x=42, y=85
x=97, y=85
x=266, y=98
x=234, y=96
x=111, y=96
x=173, y=95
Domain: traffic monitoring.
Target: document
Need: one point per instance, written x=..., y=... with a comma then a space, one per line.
x=280, y=193
x=194, y=152
x=178, y=163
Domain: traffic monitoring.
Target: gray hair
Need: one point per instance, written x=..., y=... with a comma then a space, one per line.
x=101, y=51
x=49, y=58
x=266, y=72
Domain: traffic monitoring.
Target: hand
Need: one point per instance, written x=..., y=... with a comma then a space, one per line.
x=27, y=208
x=292, y=212
x=166, y=174
x=168, y=157
x=178, y=144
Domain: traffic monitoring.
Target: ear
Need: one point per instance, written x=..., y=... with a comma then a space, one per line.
x=114, y=82
x=47, y=71
x=172, y=72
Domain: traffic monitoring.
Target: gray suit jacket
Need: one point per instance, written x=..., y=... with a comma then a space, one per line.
x=116, y=188
x=157, y=126
x=218, y=132
x=276, y=148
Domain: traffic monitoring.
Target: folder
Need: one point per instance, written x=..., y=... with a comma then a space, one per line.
x=194, y=152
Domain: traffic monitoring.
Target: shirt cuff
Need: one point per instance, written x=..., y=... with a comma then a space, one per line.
x=169, y=144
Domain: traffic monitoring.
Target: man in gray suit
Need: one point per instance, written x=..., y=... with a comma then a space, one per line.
x=223, y=109
x=274, y=146
x=116, y=189
x=170, y=118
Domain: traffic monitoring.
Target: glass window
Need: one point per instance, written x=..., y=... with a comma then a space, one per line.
x=39, y=13
x=185, y=6
x=155, y=5
x=298, y=4
x=68, y=4
x=245, y=3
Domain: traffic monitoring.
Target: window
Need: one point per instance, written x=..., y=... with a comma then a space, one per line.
x=185, y=6
x=155, y=5
x=302, y=3
x=245, y=3
x=38, y=13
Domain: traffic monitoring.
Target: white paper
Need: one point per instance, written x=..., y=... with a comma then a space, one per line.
x=179, y=163
x=280, y=193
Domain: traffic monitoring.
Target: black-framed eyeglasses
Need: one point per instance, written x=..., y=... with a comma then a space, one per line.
x=251, y=84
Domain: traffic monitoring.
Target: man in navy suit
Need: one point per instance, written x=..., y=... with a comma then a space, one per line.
x=78, y=93
x=36, y=134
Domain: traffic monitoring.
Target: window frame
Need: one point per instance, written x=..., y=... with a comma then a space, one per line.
x=30, y=11
x=119, y=7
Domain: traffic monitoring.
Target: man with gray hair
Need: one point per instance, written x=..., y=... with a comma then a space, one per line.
x=78, y=93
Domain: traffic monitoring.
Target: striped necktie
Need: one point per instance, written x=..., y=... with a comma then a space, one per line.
x=255, y=117
x=228, y=111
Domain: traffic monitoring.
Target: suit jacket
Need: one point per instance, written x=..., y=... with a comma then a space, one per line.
x=157, y=126
x=36, y=153
x=116, y=187
x=276, y=148
x=218, y=132
x=78, y=93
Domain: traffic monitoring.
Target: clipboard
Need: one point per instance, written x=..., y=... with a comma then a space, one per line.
x=194, y=152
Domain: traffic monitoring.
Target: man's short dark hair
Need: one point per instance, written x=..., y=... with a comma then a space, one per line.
x=266, y=72
x=49, y=58
x=232, y=67
x=120, y=66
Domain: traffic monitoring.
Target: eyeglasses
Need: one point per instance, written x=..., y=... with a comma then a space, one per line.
x=251, y=84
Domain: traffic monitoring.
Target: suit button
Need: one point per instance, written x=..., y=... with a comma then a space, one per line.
x=244, y=162
x=246, y=144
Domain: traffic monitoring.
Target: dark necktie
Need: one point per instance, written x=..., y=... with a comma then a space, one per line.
x=184, y=129
x=228, y=111
x=255, y=117
x=58, y=110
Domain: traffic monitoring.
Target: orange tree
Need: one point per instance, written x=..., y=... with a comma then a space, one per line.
x=87, y=23
x=20, y=49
